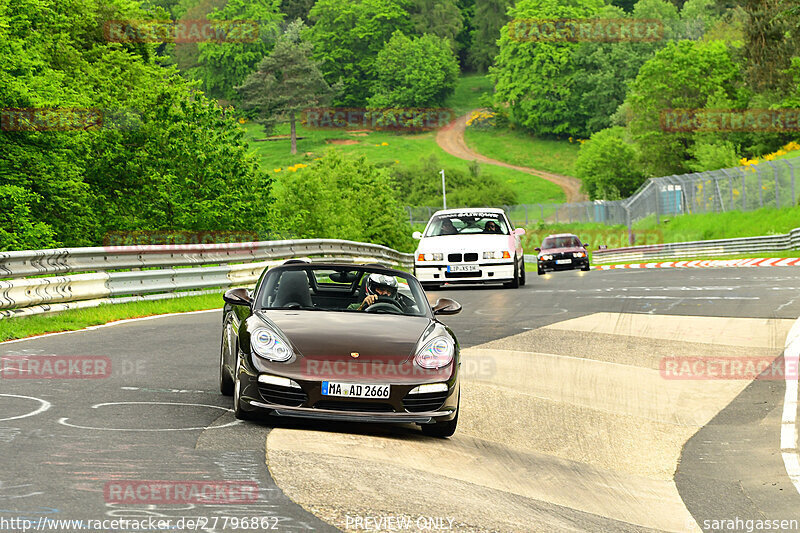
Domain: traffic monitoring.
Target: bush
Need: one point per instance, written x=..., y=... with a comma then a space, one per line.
x=607, y=165
x=421, y=185
x=342, y=198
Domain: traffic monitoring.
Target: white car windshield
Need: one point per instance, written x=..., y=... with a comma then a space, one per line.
x=467, y=224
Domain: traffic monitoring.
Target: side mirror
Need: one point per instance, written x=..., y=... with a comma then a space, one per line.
x=238, y=296
x=586, y=245
x=446, y=306
x=417, y=235
x=538, y=249
x=519, y=231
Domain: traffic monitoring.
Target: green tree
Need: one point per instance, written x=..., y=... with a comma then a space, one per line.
x=347, y=38
x=164, y=157
x=224, y=65
x=19, y=230
x=490, y=16
x=533, y=80
x=772, y=39
x=286, y=82
x=343, y=198
x=441, y=18
x=414, y=72
x=294, y=9
x=607, y=165
x=683, y=75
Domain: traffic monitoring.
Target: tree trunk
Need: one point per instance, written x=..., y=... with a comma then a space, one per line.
x=294, y=135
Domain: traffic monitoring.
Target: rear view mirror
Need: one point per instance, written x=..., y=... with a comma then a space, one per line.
x=417, y=235
x=519, y=231
x=586, y=245
x=538, y=249
x=446, y=306
x=238, y=296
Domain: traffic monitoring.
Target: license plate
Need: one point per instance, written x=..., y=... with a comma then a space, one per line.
x=462, y=268
x=563, y=261
x=354, y=390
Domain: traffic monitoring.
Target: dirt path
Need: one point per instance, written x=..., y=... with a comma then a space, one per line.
x=451, y=140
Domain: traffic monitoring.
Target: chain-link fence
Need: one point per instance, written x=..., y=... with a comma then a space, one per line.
x=767, y=184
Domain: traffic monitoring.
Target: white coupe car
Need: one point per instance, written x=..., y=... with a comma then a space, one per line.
x=469, y=246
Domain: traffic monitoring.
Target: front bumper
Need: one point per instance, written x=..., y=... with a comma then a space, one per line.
x=551, y=265
x=438, y=272
x=308, y=401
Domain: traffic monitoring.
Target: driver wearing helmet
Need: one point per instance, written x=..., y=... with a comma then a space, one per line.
x=378, y=285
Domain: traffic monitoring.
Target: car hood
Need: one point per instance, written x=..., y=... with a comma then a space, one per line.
x=561, y=250
x=478, y=242
x=327, y=335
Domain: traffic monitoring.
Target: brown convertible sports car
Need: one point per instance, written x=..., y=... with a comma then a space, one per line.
x=341, y=342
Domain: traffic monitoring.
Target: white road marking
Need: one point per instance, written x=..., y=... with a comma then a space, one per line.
x=654, y=297
x=45, y=405
x=789, y=451
x=63, y=421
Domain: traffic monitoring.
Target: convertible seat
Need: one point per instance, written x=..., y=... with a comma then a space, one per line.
x=293, y=290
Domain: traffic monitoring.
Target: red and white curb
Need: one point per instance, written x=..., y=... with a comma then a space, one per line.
x=757, y=262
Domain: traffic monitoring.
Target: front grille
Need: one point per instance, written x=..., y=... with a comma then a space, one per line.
x=431, y=401
x=470, y=257
x=288, y=396
x=332, y=405
x=463, y=274
x=454, y=258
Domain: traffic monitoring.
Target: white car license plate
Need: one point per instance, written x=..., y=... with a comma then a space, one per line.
x=563, y=261
x=462, y=268
x=354, y=390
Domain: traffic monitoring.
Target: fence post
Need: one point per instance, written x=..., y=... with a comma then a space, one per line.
x=658, y=204
x=777, y=185
x=526, y=215
x=744, y=190
x=791, y=171
x=760, y=187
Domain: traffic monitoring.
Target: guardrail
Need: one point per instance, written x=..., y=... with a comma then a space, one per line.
x=713, y=248
x=117, y=274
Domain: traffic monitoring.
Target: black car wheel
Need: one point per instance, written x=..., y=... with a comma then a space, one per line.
x=522, y=274
x=514, y=283
x=238, y=412
x=225, y=378
x=539, y=271
x=441, y=429
x=586, y=268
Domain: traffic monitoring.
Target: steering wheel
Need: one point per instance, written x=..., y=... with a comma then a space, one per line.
x=385, y=304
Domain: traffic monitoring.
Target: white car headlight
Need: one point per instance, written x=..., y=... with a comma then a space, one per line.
x=430, y=257
x=436, y=353
x=269, y=345
x=546, y=257
x=496, y=255
x=579, y=254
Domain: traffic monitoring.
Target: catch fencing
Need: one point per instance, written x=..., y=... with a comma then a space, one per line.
x=117, y=274
x=745, y=188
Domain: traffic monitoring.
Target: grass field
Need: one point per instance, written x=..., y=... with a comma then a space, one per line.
x=519, y=148
x=468, y=93
x=386, y=148
x=74, y=319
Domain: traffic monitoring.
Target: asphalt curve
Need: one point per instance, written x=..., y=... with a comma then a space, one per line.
x=567, y=423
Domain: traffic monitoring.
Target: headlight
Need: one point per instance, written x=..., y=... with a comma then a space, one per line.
x=579, y=254
x=546, y=257
x=430, y=257
x=437, y=353
x=269, y=345
x=496, y=255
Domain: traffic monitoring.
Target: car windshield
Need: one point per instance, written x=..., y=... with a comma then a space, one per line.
x=327, y=288
x=561, y=242
x=467, y=223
